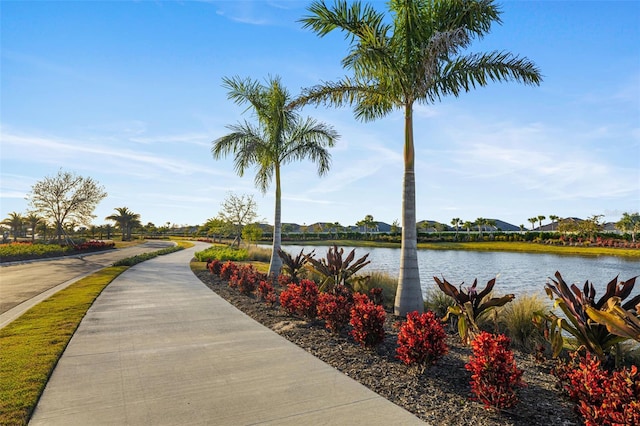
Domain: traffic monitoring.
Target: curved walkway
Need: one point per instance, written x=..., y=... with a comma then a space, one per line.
x=159, y=348
x=26, y=283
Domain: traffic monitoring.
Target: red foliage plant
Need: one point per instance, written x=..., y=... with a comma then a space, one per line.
x=284, y=280
x=367, y=320
x=214, y=265
x=246, y=279
x=301, y=299
x=93, y=245
x=602, y=398
x=421, y=340
x=375, y=294
x=267, y=293
x=494, y=374
x=227, y=270
x=335, y=308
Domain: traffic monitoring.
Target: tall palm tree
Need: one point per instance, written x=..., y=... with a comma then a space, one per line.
x=533, y=221
x=279, y=137
x=15, y=221
x=33, y=220
x=126, y=220
x=554, y=218
x=415, y=56
x=456, y=223
x=540, y=219
x=468, y=225
x=480, y=223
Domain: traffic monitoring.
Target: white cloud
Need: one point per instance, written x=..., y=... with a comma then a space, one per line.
x=66, y=152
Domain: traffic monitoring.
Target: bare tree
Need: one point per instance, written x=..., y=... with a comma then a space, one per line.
x=238, y=210
x=66, y=197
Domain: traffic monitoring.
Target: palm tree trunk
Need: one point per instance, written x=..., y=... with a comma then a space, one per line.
x=409, y=294
x=276, y=262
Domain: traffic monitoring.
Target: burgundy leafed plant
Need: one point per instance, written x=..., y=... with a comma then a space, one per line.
x=421, y=340
x=495, y=377
x=367, y=320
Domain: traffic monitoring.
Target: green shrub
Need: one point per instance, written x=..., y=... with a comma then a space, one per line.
x=222, y=253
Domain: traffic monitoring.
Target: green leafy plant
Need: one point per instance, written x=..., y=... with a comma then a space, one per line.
x=617, y=319
x=221, y=253
x=334, y=270
x=470, y=305
x=594, y=337
x=293, y=265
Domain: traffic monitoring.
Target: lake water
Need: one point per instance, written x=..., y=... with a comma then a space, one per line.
x=518, y=273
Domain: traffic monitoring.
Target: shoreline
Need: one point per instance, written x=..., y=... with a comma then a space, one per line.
x=497, y=246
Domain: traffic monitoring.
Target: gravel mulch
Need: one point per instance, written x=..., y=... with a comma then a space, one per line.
x=440, y=395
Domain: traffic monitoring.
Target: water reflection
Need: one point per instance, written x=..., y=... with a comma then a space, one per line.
x=517, y=272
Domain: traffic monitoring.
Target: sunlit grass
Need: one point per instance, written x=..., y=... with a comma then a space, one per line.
x=259, y=254
x=516, y=318
x=379, y=279
x=510, y=246
x=437, y=301
x=526, y=247
x=32, y=344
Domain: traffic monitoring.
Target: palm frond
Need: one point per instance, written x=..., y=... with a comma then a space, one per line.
x=354, y=20
x=467, y=72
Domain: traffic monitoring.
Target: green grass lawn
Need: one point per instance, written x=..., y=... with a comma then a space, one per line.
x=32, y=344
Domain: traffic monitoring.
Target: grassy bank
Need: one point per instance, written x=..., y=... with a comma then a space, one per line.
x=522, y=247
x=33, y=343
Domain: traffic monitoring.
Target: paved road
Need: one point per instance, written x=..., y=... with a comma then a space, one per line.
x=22, y=284
x=159, y=348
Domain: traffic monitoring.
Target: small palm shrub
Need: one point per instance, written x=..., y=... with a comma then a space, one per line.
x=334, y=269
x=367, y=320
x=421, y=340
x=293, y=266
x=495, y=377
x=471, y=305
x=575, y=303
x=301, y=299
x=516, y=320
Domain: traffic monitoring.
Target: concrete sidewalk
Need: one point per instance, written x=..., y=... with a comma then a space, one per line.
x=159, y=348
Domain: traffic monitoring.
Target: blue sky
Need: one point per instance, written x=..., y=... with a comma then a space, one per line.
x=130, y=94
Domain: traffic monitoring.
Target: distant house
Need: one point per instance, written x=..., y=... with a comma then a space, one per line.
x=505, y=227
